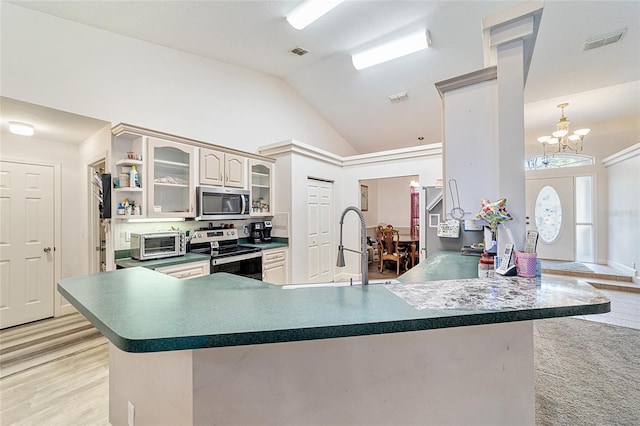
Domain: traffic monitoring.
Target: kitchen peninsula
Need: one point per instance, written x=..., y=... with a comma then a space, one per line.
x=439, y=347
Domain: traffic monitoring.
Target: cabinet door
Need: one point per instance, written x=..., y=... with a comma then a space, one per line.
x=261, y=187
x=234, y=170
x=211, y=167
x=274, y=266
x=170, y=178
x=274, y=273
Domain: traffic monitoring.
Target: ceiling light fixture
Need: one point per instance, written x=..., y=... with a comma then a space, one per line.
x=392, y=50
x=309, y=11
x=22, y=129
x=560, y=140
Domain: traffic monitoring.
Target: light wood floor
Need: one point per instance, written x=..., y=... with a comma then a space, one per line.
x=65, y=384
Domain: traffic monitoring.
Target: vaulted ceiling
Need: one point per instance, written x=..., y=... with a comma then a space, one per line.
x=601, y=85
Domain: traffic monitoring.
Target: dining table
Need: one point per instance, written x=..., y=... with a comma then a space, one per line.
x=411, y=241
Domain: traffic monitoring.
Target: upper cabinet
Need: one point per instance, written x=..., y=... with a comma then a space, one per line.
x=221, y=168
x=170, y=179
x=169, y=167
x=261, y=187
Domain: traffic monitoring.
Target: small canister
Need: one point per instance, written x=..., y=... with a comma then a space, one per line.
x=485, y=266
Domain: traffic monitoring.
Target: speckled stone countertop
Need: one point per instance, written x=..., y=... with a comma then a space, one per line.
x=140, y=310
x=158, y=263
x=276, y=242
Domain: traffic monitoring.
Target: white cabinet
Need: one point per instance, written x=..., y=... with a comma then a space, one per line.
x=221, y=168
x=261, y=187
x=274, y=266
x=185, y=271
x=171, y=189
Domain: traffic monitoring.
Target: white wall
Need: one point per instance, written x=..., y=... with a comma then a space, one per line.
x=73, y=251
x=371, y=215
x=71, y=67
x=394, y=201
x=624, y=211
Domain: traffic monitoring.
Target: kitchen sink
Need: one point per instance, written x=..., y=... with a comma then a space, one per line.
x=338, y=284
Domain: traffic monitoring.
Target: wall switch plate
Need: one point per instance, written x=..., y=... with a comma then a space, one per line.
x=131, y=414
x=127, y=236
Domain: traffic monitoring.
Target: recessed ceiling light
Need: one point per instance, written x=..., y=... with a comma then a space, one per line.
x=22, y=129
x=309, y=11
x=392, y=50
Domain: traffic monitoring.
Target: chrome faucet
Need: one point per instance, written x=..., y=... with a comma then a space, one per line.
x=363, y=252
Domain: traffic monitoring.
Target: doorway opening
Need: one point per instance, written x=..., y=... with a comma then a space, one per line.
x=98, y=231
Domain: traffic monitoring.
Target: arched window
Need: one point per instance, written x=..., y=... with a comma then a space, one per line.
x=556, y=161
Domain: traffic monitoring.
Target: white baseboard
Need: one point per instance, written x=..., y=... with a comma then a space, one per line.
x=622, y=268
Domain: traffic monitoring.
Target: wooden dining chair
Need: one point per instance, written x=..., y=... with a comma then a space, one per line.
x=388, y=249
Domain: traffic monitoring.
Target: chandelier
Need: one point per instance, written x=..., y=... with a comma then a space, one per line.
x=560, y=140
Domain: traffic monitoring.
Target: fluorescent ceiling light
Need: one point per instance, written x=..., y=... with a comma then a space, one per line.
x=391, y=50
x=309, y=11
x=23, y=129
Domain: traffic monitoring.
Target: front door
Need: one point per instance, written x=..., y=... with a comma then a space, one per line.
x=320, y=231
x=550, y=211
x=26, y=243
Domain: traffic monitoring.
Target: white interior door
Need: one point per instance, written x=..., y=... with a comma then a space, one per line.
x=551, y=212
x=26, y=243
x=320, y=231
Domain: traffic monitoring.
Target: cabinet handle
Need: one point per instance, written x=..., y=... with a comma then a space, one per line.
x=46, y=249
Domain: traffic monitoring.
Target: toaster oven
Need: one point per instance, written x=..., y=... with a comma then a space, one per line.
x=157, y=245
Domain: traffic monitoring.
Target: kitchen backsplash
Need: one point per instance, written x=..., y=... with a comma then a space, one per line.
x=122, y=228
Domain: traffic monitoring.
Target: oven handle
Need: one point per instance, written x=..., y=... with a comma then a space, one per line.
x=237, y=258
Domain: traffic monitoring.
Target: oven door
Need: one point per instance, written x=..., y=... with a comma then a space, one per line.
x=247, y=265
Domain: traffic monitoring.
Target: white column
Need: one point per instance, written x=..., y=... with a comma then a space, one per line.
x=509, y=38
x=510, y=161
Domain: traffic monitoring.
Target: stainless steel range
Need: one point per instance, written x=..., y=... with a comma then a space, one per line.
x=226, y=254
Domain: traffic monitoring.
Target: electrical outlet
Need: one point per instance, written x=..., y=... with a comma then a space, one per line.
x=131, y=414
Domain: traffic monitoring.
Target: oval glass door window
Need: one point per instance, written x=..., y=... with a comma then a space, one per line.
x=548, y=213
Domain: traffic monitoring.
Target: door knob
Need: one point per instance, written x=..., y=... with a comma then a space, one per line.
x=47, y=249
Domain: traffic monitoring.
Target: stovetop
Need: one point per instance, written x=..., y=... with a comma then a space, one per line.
x=218, y=242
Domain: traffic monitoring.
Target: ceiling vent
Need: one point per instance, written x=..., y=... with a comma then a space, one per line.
x=299, y=51
x=603, y=40
x=398, y=97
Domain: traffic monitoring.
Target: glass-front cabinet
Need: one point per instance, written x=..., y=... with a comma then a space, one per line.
x=261, y=187
x=171, y=190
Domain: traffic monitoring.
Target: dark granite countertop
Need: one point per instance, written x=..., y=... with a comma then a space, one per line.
x=140, y=310
x=276, y=242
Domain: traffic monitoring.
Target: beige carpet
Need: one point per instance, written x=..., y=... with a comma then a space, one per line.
x=587, y=373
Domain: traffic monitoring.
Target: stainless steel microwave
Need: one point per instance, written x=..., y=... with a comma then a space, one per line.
x=157, y=245
x=222, y=203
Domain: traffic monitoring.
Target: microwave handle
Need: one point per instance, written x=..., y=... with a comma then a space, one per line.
x=245, y=201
